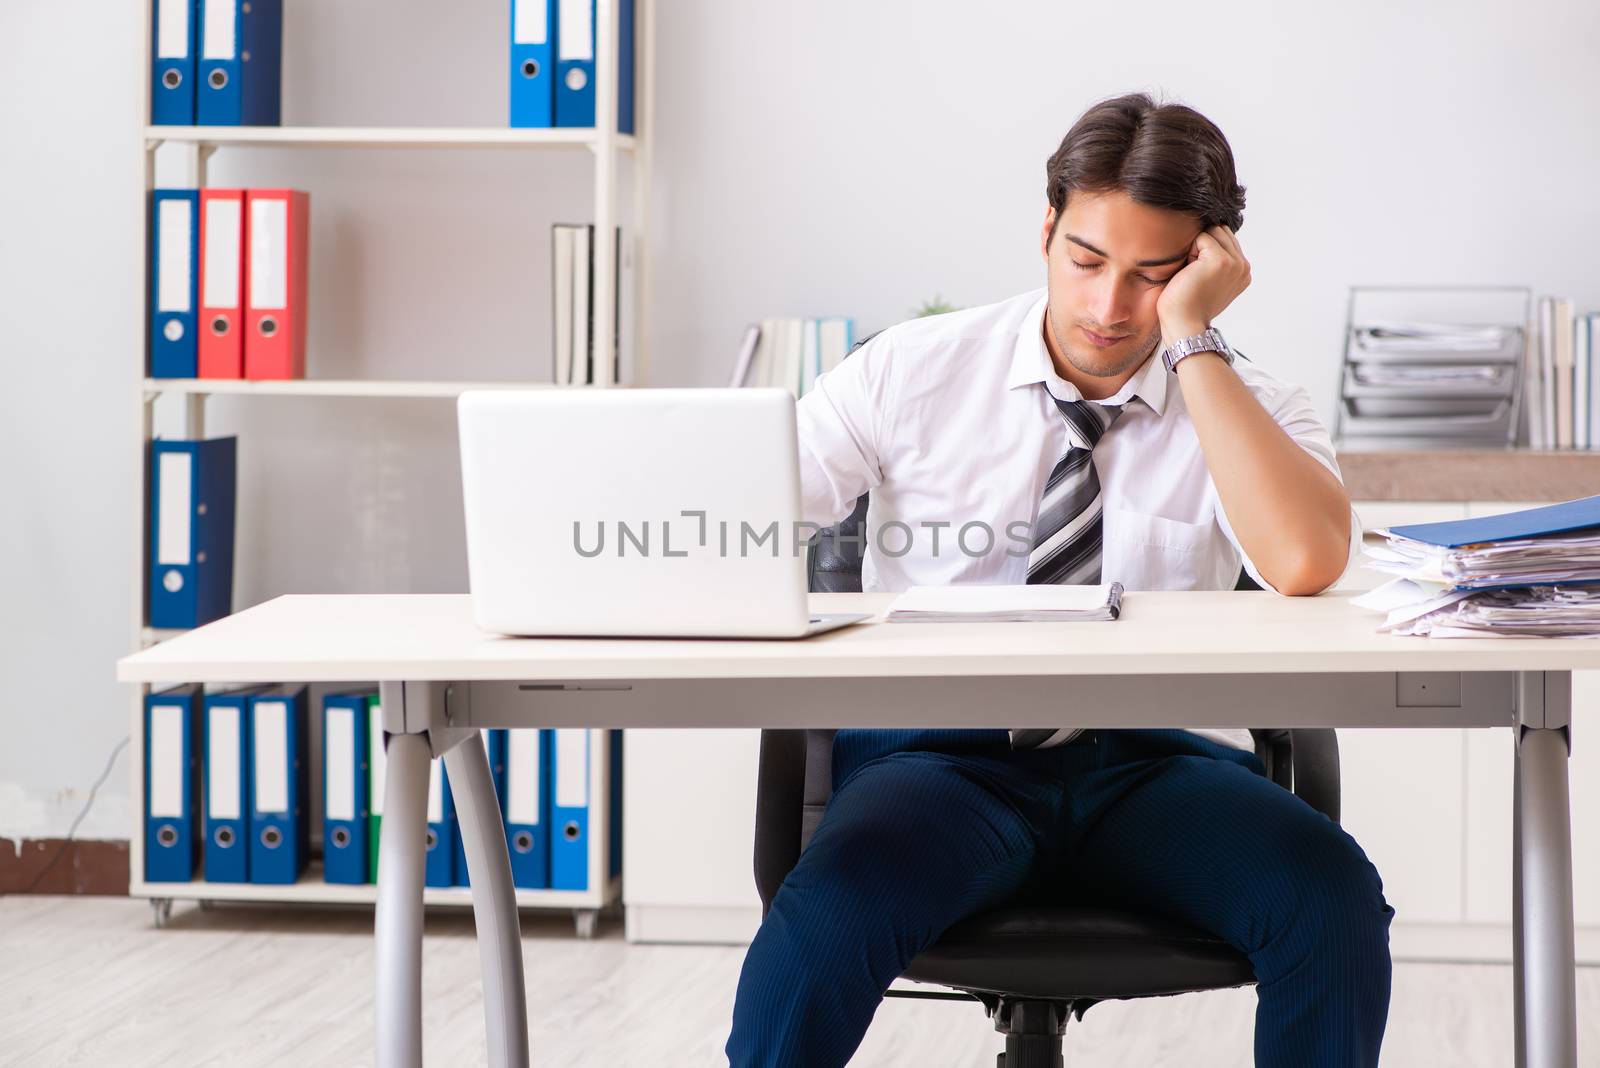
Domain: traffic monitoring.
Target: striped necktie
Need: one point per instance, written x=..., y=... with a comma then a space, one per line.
x=1066, y=535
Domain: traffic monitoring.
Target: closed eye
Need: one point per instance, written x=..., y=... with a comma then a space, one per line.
x=1142, y=277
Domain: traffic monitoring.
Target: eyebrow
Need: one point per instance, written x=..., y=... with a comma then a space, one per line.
x=1142, y=263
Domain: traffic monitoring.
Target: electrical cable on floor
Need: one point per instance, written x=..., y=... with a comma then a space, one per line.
x=72, y=830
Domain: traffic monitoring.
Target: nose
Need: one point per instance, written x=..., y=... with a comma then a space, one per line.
x=1111, y=301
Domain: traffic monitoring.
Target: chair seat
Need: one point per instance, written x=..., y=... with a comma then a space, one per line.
x=1069, y=952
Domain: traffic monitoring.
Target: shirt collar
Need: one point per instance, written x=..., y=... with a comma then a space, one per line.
x=1030, y=363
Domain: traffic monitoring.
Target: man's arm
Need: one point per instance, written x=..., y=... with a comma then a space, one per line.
x=1290, y=514
x=840, y=423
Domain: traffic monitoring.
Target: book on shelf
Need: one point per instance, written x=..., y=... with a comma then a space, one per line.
x=1561, y=394
x=747, y=352
x=572, y=270
x=791, y=353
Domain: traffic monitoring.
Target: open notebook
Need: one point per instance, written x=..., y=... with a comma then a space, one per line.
x=1007, y=604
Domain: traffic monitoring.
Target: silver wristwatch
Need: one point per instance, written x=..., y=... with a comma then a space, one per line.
x=1209, y=340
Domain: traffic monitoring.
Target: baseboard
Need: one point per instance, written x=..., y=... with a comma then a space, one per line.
x=726, y=925
x=59, y=866
x=1472, y=943
x=1456, y=943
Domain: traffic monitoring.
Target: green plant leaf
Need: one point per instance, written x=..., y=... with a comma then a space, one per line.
x=937, y=306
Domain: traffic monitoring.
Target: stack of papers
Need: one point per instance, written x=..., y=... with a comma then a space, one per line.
x=1533, y=612
x=1513, y=562
x=1431, y=337
x=1006, y=604
x=1532, y=573
x=1405, y=374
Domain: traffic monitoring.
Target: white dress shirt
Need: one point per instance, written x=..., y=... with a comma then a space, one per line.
x=945, y=421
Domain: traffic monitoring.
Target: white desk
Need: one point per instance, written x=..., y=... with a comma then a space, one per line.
x=1173, y=660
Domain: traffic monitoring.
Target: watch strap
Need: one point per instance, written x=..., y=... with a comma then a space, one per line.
x=1208, y=340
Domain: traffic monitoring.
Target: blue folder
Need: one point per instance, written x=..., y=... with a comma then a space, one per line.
x=174, y=282
x=241, y=50
x=625, y=62
x=172, y=63
x=525, y=801
x=569, y=809
x=533, y=63
x=171, y=784
x=191, y=531
x=1563, y=518
x=279, y=806
x=614, y=811
x=458, y=846
x=575, y=53
x=345, y=786
x=498, y=740
x=439, y=861
x=227, y=786
x=494, y=742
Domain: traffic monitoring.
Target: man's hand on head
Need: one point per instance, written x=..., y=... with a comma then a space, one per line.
x=1216, y=273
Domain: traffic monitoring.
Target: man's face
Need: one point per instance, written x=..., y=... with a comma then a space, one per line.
x=1107, y=264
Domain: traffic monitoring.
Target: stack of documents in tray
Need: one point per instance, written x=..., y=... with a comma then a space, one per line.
x=1006, y=604
x=1533, y=573
x=1411, y=382
x=1430, y=337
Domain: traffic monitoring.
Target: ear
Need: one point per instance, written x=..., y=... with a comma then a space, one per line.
x=1044, y=234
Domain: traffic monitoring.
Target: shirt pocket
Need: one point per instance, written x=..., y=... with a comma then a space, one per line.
x=1152, y=552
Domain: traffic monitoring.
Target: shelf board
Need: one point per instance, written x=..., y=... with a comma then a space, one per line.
x=312, y=890
x=382, y=136
x=155, y=635
x=329, y=387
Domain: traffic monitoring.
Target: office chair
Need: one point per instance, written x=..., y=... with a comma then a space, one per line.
x=1032, y=966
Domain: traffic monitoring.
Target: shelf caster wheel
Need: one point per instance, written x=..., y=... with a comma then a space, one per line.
x=586, y=920
x=160, y=910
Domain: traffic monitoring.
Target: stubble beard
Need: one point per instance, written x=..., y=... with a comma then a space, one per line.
x=1138, y=355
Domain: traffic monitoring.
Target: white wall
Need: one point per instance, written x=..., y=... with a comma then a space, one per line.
x=812, y=159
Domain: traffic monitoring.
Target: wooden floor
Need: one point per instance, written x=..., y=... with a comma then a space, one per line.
x=89, y=981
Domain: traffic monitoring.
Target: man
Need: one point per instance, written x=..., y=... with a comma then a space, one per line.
x=988, y=420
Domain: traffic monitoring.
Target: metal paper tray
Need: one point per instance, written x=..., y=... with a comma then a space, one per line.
x=1503, y=384
x=1496, y=423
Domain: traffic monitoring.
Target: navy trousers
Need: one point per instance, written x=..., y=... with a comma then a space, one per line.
x=927, y=827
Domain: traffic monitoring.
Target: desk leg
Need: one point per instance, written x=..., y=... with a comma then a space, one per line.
x=1518, y=955
x=1545, y=968
x=494, y=903
x=399, y=915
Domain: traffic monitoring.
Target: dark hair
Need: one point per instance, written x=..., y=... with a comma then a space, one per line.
x=1162, y=155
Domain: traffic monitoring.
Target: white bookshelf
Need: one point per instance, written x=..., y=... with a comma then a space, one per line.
x=312, y=889
x=328, y=387
x=212, y=137
x=198, y=144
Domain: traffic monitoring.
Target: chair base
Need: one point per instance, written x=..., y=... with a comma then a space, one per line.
x=1033, y=1030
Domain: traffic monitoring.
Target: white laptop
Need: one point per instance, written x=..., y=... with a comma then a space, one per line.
x=636, y=512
